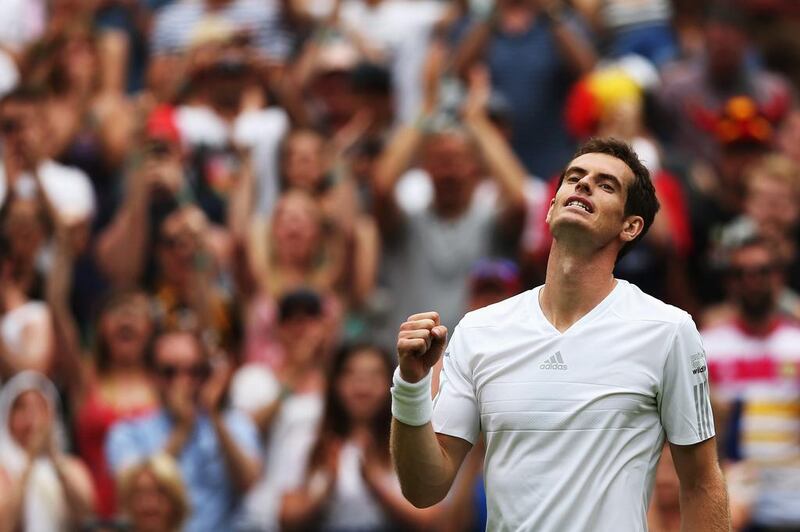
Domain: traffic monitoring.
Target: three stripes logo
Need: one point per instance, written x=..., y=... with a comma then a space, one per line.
x=554, y=362
x=702, y=406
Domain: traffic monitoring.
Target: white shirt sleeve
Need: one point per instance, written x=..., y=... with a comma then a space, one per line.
x=455, y=407
x=683, y=401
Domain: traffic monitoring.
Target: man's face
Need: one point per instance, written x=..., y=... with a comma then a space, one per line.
x=180, y=365
x=725, y=45
x=591, y=202
x=773, y=204
x=20, y=129
x=754, y=279
x=451, y=165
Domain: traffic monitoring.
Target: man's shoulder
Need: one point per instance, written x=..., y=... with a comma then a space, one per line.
x=636, y=305
x=511, y=310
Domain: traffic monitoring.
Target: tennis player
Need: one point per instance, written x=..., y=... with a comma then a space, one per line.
x=574, y=385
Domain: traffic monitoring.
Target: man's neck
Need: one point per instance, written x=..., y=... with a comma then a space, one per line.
x=575, y=283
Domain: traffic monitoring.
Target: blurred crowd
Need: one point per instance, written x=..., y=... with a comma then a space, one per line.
x=214, y=215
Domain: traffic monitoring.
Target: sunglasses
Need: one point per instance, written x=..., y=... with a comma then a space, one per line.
x=198, y=371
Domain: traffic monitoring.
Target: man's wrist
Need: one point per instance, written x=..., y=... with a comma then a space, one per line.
x=411, y=401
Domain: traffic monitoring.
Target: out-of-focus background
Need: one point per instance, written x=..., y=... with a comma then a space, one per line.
x=214, y=215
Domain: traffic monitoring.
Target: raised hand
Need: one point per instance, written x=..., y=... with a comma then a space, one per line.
x=214, y=389
x=420, y=344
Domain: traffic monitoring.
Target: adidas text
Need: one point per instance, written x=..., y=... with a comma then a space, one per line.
x=554, y=362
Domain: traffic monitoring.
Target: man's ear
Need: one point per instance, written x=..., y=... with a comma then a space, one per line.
x=631, y=228
x=550, y=210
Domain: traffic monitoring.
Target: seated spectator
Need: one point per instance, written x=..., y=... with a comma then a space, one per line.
x=753, y=362
x=41, y=487
x=153, y=497
x=217, y=450
x=350, y=483
x=284, y=396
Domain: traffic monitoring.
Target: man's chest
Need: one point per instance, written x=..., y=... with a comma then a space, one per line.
x=607, y=380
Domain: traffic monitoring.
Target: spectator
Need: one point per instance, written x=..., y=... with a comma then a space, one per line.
x=153, y=495
x=179, y=25
x=115, y=386
x=716, y=188
x=394, y=33
x=186, y=288
x=41, y=487
x=88, y=127
x=753, y=361
x=217, y=451
x=26, y=166
x=533, y=44
x=643, y=28
x=697, y=90
x=772, y=202
x=284, y=396
x=26, y=333
x=350, y=483
x=427, y=254
x=296, y=250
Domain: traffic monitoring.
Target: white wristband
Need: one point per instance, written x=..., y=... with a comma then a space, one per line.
x=411, y=401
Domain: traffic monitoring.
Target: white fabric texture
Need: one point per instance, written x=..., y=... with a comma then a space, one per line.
x=68, y=188
x=411, y=401
x=574, y=422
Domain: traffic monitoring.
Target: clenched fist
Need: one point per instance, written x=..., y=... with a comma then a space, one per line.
x=420, y=344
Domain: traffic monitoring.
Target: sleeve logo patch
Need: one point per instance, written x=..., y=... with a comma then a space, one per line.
x=698, y=363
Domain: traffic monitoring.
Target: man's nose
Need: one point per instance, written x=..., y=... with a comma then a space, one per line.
x=584, y=185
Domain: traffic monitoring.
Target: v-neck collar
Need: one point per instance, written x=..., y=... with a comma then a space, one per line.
x=541, y=321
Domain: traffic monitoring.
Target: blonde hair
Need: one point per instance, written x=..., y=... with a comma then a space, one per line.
x=326, y=267
x=775, y=167
x=168, y=476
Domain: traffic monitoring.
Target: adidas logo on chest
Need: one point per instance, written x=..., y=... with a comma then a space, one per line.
x=554, y=362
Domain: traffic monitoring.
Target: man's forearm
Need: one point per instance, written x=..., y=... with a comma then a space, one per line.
x=424, y=469
x=704, y=506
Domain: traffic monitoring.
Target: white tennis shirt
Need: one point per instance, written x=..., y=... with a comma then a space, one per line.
x=574, y=422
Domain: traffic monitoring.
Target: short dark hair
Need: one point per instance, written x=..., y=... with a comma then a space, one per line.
x=641, y=199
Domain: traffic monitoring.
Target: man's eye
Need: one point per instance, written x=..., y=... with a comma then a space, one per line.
x=607, y=187
x=572, y=178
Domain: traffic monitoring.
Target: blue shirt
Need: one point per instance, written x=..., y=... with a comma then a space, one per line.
x=213, y=499
x=530, y=71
